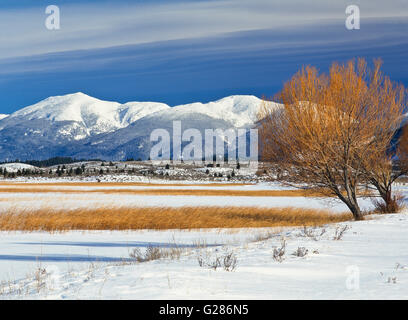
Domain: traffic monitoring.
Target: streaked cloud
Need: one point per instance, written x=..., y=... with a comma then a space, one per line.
x=90, y=24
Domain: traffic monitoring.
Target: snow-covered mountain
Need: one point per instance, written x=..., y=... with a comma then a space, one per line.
x=83, y=115
x=81, y=126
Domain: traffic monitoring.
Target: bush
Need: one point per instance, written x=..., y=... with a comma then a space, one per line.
x=279, y=253
x=395, y=205
x=227, y=261
x=155, y=253
x=300, y=252
x=230, y=262
x=339, y=233
x=312, y=233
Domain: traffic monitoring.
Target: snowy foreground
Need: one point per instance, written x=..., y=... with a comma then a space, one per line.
x=369, y=261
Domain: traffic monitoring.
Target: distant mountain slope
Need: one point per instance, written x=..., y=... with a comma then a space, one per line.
x=81, y=115
x=14, y=167
x=81, y=126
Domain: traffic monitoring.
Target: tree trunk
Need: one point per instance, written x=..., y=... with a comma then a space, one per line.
x=385, y=192
x=355, y=210
x=352, y=204
x=388, y=200
x=386, y=195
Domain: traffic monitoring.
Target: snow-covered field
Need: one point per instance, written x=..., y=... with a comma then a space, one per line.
x=369, y=261
x=57, y=201
x=35, y=200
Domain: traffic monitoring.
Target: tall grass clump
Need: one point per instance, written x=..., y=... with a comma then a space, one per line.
x=135, y=218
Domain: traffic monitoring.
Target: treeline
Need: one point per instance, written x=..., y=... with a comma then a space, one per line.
x=51, y=161
x=20, y=172
x=62, y=170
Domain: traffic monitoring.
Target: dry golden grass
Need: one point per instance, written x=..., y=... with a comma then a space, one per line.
x=114, y=184
x=176, y=192
x=171, y=192
x=131, y=218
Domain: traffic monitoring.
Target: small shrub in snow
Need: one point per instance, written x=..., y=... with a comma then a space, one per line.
x=230, y=262
x=39, y=278
x=394, y=205
x=214, y=264
x=263, y=236
x=279, y=253
x=400, y=266
x=340, y=231
x=300, y=252
x=227, y=261
x=155, y=253
x=312, y=233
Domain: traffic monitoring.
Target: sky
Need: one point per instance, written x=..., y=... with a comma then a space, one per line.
x=179, y=52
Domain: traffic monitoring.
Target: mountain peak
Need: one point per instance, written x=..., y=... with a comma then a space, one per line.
x=76, y=96
x=92, y=115
x=82, y=126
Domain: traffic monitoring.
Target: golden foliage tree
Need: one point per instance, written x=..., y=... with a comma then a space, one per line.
x=388, y=167
x=332, y=128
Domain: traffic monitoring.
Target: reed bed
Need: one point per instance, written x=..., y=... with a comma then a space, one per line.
x=114, y=184
x=136, y=218
x=171, y=192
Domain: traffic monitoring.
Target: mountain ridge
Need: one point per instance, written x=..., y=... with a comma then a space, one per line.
x=78, y=125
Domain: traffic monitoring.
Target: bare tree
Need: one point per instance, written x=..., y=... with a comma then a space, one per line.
x=331, y=128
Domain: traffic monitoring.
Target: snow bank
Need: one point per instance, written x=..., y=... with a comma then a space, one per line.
x=368, y=262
